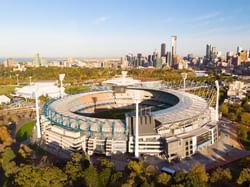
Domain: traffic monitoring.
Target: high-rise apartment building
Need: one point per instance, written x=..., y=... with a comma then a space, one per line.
x=10, y=63
x=37, y=60
x=150, y=61
x=208, y=51
x=239, y=49
x=139, y=59
x=163, y=49
x=173, y=44
x=169, y=59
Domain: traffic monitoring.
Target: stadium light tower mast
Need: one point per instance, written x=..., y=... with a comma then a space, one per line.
x=217, y=100
x=61, y=78
x=184, y=77
x=17, y=80
x=30, y=79
x=37, y=113
x=137, y=100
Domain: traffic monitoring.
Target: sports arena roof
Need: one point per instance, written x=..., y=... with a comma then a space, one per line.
x=189, y=106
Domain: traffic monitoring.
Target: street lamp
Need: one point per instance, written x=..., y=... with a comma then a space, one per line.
x=17, y=81
x=61, y=78
x=217, y=100
x=30, y=79
x=184, y=77
x=37, y=112
x=137, y=100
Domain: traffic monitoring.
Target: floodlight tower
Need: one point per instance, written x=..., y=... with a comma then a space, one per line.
x=137, y=100
x=37, y=112
x=17, y=80
x=61, y=78
x=184, y=77
x=217, y=100
x=30, y=79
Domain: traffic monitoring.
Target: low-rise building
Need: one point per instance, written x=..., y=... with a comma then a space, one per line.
x=4, y=99
x=237, y=90
x=45, y=88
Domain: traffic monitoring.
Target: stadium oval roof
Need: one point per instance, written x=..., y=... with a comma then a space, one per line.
x=188, y=107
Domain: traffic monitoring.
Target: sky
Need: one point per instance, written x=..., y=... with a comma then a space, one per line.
x=114, y=28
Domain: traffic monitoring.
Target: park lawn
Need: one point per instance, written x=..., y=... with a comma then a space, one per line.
x=25, y=131
x=7, y=90
x=76, y=89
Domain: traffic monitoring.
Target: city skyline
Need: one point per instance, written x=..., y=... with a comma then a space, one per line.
x=114, y=29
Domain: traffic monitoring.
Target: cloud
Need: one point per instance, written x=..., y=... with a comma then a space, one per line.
x=101, y=19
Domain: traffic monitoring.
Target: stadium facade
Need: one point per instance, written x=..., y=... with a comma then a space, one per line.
x=172, y=122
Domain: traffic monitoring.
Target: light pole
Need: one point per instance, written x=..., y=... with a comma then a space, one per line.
x=37, y=112
x=30, y=79
x=184, y=77
x=217, y=100
x=17, y=80
x=137, y=100
x=61, y=78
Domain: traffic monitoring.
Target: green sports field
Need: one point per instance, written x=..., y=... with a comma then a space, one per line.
x=25, y=131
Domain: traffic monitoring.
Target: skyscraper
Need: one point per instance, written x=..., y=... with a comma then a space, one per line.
x=154, y=58
x=150, y=61
x=214, y=53
x=163, y=49
x=169, y=59
x=208, y=51
x=139, y=59
x=173, y=43
x=239, y=49
x=37, y=60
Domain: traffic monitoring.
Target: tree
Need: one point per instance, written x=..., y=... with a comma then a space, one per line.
x=28, y=175
x=5, y=137
x=220, y=175
x=245, y=118
x=8, y=165
x=245, y=162
x=224, y=109
x=244, y=176
x=116, y=179
x=74, y=169
x=200, y=171
x=163, y=179
x=232, y=116
x=245, y=105
x=50, y=176
x=43, y=99
x=179, y=176
x=177, y=185
x=197, y=176
x=242, y=133
x=53, y=177
x=105, y=163
x=91, y=177
x=105, y=176
x=137, y=167
x=145, y=184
